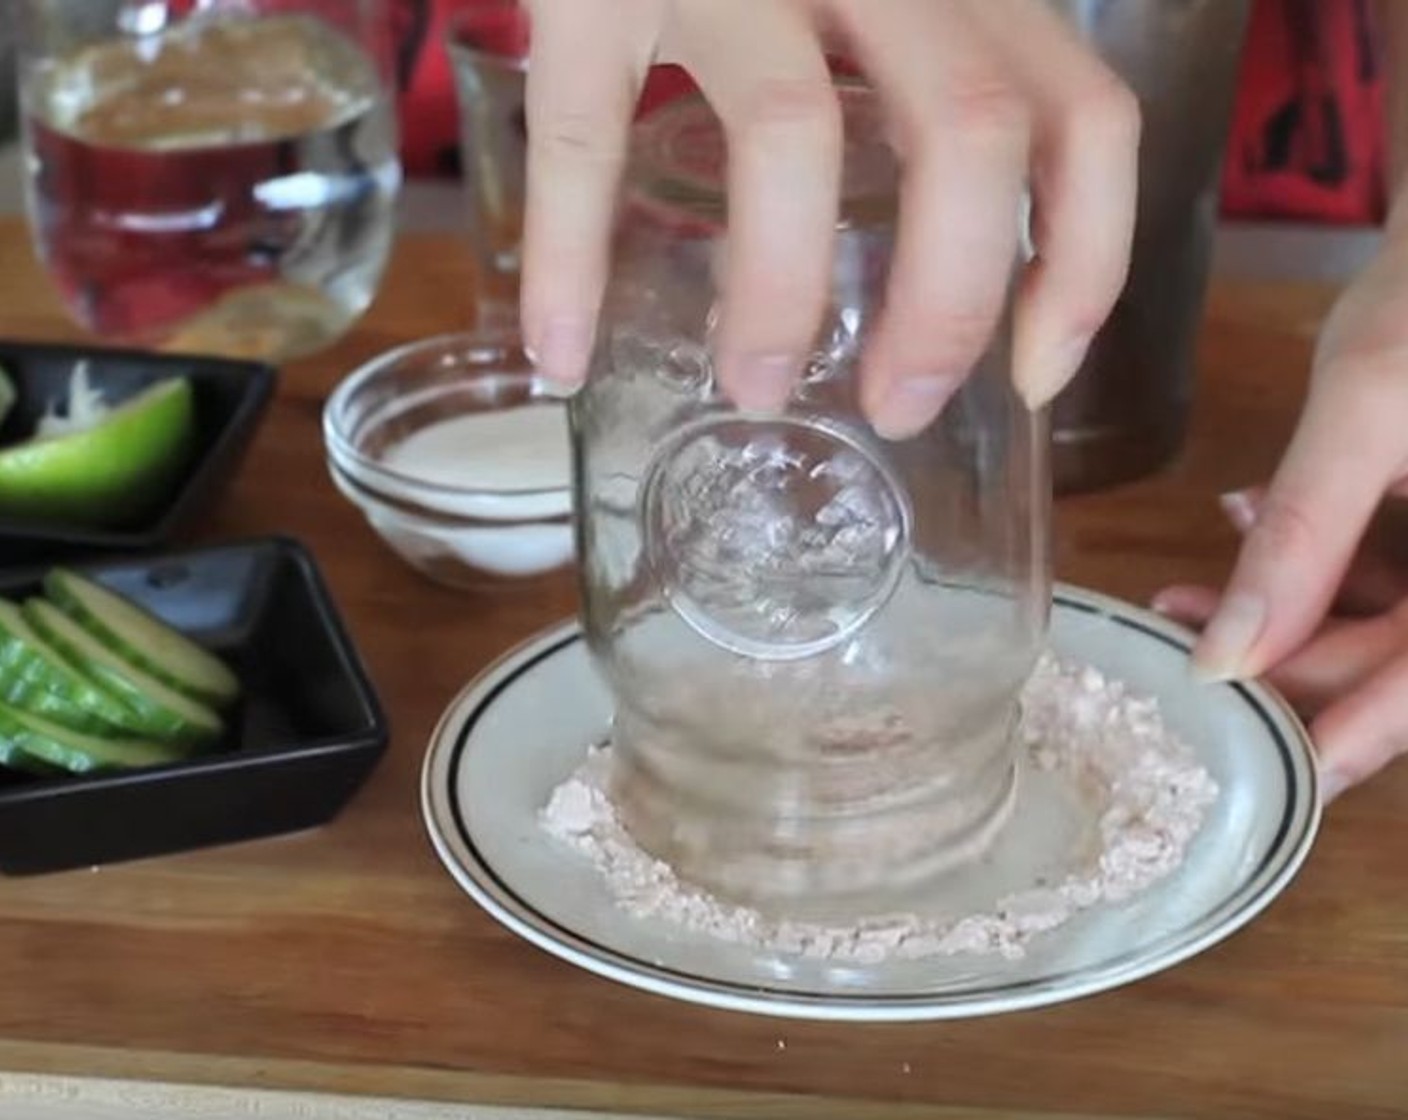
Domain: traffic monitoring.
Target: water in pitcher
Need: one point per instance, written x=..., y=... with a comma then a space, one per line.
x=225, y=186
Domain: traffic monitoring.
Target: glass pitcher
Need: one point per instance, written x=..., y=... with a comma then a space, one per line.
x=215, y=176
x=815, y=639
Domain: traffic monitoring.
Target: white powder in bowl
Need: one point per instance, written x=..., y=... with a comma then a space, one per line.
x=1145, y=789
x=512, y=464
x=501, y=450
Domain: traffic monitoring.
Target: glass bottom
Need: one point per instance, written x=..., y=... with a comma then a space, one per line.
x=758, y=847
x=272, y=322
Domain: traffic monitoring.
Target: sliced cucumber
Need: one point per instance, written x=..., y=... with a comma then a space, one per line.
x=13, y=758
x=38, y=738
x=144, y=640
x=36, y=677
x=55, y=706
x=179, y=717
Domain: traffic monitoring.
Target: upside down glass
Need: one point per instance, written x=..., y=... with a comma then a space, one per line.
x=815, y=639
x=212, y=175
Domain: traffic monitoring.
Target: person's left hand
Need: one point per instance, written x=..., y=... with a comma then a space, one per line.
x=1332, y=680
x=1317, y=603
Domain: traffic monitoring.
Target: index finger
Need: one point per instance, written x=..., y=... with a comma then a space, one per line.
x=1348, y=450
x=587, y=63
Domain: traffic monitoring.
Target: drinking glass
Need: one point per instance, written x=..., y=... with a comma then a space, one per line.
x=211, y=175
x=815, y=639
x=488, y=47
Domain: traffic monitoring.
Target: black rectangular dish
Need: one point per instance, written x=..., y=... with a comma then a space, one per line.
x=304, y=736
x=229, y=398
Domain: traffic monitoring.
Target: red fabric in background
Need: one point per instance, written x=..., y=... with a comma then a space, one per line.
x=428, y=112
x=1309, y=137
x=429, y=115
x=1308, y=133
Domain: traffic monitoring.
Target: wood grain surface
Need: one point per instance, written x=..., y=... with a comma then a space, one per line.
x=345, y=960
x=44, y=1097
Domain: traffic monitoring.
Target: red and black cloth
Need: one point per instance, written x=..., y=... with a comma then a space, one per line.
x=1308, y=133
x=1309, y=139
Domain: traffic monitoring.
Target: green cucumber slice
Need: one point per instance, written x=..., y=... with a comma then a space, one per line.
x=54, y=706
x=32, y=671
x=78, y=753
x=13, y=758
x=144, y=640
x=180, y=718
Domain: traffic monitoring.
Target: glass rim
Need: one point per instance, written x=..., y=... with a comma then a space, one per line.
x=455, y=45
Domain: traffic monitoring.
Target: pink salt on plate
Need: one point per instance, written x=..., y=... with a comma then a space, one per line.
x=1146, y=794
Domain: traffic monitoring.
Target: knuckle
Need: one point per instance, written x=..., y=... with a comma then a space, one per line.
x=985, y=106
x=576, y=134
x=1108, y=111
x=802, y=104
x=1286, y=529
x=774, y=312
x=1374, y=752
x=1362, y=396
x=948, y=340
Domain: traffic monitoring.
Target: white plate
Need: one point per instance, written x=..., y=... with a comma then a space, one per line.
x=525, y=724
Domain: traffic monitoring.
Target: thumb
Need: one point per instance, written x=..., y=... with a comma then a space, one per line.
x=1348, y=449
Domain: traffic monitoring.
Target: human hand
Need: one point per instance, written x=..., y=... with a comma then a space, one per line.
x=1325, y=618
x=983, y=97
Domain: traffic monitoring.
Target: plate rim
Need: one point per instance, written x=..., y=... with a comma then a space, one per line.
x=460, y=856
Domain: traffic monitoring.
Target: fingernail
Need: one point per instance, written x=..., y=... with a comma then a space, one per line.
x=1332, y=784
x=1050, y=370
x=763, y=382
x=1240, y=508
x=1226, y=643
x=911, y=406
x=561, y=350
x=1162, y=604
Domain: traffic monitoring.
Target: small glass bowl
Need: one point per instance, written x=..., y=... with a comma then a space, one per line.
x=462, y=513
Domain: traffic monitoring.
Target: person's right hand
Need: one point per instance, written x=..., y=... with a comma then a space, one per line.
x=984, y=98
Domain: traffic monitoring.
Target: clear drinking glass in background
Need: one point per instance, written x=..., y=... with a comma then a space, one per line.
x=211, y=175
x=488, y=47
x=815, y=640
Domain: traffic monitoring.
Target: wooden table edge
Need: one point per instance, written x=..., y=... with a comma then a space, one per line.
x=346, y=1093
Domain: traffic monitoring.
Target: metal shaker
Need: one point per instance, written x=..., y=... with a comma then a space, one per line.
x=1126, y=412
